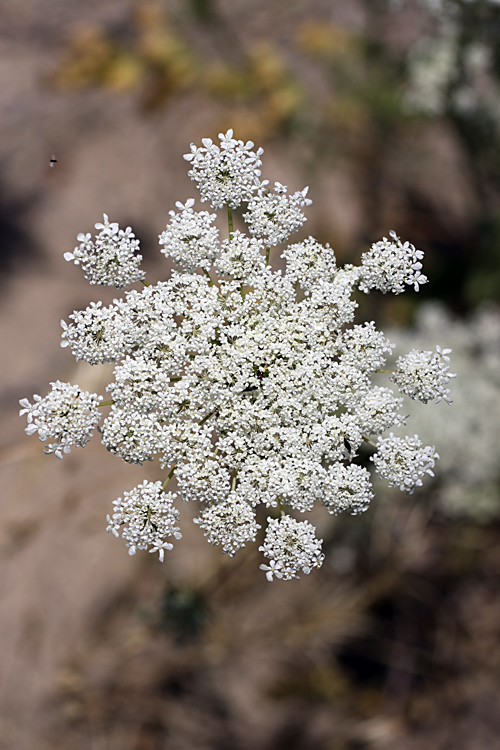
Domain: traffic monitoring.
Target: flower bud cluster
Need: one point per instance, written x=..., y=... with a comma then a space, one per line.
x=348, y=488
x=111, y=260
x=253, y=387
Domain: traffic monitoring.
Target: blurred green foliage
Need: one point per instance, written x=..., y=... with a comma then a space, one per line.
x=183, y=612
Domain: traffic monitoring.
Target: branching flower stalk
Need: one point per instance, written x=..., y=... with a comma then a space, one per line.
x=251, y=386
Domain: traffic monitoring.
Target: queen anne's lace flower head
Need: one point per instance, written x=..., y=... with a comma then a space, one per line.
x=389, y=265
x=365, y=347
x=146, y=519
x=274, y=217
x=377, y=409
x=308, y=263
x=404, y=461
x=225, y=175
x=95, y=334
x=67, y=415
x=424, y=376
x=190, y=239
x=250, y=386
x=230, y=523
x=291, y=546
x=348, y=488
x=111, y=260
x=240, y=258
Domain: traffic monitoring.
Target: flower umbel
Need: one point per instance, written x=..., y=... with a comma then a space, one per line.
x=252, y=387
x=230, y=523
x=67, y=415
x=225, y=175
x=111, y=259
x=291, y=546
x=146, y=518
x=424, y=375
x=389, y=265
x=404, y=461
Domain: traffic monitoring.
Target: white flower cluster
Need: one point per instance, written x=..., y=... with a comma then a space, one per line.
x=388, y=266
x=230, y=523
x=111, y=260
x=349, y=488
x=147, y=518
x=67, y=415
x=274, y=217
x=424, y=376
x=251, y=385
x=290, y=545
x=468, y=470
x=225, y=175
x=190, y=240
x=93, y=334
x=404, y=461
x=432, y=67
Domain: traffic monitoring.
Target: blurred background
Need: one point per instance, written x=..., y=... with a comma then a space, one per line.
x=390, y=111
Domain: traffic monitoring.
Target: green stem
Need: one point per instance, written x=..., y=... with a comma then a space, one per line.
x=374, y=445
x=145, y=283
x=268, y=250
x=235, y=474
x=388, y=371
x=107, y=403
x=230, y=221
x=211, y=283
x=209, y=415
x=171, y=474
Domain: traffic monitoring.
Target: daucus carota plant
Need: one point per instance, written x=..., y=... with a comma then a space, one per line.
x=252, y=386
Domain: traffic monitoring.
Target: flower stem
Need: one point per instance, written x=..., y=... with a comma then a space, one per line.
x=107, y=403
x=388, y=371
x=374, y=445
x=210, y=282
x=145, y=283
x=171, y=474
x=268, y=250
x=209, y=415
x=230, y=221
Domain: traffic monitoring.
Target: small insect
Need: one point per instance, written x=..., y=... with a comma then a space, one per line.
x=348, y=452
x=53, y=160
